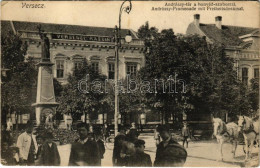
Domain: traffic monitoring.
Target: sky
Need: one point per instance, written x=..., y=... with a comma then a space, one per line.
x=105, y=14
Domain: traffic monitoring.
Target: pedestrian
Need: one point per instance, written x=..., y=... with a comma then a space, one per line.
x=116, y=159
x=91, y=133
x=132, y=134
x=140, y=159
x=8, y=155
x=49, y=155
x=169, y=153
x=27, y=145
x=185, y=134
x=128, y=147
x=122, y=131
x=9, y=124
x=106, y=132
x=6, y=136
x=157, y=137
x=100, y=142
x=84, y=152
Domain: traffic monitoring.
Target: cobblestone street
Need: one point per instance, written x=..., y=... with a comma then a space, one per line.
x=200, y=153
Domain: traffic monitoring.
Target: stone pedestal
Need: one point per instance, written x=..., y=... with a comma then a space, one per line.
x=45, y=100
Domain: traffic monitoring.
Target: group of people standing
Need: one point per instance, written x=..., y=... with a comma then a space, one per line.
x=89, y=149
x=129, y=150
x=31, y=152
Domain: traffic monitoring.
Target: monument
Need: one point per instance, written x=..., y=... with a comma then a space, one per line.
x=45, y=99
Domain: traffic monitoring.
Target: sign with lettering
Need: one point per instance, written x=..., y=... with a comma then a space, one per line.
x=82, y=38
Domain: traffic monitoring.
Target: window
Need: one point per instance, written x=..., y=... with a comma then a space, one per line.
x=131, y=69
x=60, y=68
x=256, y=73
x=94, y=66
x=111, y=71
x=78, y=65
x=245, y=75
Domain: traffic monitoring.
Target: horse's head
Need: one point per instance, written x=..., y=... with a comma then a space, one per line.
x=217, y=122
x=241, y=122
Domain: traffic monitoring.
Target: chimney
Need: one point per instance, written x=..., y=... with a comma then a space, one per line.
x=218, y=21
x=197, y=19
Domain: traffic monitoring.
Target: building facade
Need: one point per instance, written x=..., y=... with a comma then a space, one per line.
x=70, y=44
x=241, y=44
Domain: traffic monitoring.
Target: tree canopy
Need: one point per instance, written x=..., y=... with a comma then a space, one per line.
x=210, y=80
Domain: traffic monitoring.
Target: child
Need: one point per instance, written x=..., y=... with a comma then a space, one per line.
x=186, y=134
x=49, y=155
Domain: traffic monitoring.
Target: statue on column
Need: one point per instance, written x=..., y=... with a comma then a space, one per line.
x=45, y=43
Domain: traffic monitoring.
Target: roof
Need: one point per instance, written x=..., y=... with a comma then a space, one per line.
x=64, y=28
x=228, y=35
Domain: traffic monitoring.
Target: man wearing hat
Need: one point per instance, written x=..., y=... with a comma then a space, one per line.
x=169, y=153
x=85, y=151
x=27, y=145
x=49, y=155
x=140, y=159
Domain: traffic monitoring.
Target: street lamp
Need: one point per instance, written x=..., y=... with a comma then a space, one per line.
x=128, y=39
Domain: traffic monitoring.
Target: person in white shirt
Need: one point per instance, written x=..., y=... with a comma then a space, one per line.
x=9, y=125
x=27, y=145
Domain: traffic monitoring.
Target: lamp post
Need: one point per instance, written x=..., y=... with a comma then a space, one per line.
x=128, y=39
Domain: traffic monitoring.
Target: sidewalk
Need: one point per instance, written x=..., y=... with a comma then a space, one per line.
x=200, y=153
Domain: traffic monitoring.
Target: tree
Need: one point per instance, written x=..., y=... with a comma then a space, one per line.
x=17, y=88
x=13, y=50
x=85, y=100
x=253, y=94
x=208, y=74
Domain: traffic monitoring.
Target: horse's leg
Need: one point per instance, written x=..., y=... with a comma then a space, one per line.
x=251, y=143
x=246, y=147
x=234, y=148
x=218, y=141
x=220, y=148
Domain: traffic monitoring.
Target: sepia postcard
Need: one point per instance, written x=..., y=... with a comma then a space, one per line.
x=130, y=83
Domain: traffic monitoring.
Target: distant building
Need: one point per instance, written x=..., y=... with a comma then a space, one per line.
x=241, y=43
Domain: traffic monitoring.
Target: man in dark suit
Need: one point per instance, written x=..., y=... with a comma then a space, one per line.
x=49, y=154
x=140, y=159
x=84, y=152
x=169, y=153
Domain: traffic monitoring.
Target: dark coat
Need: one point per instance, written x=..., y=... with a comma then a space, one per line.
x=49, y=156
x=172, y=155
x=140, y=160
x=86, y=154
x=101, y=147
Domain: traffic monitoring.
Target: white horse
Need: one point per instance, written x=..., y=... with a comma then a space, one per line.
x=225, y=133
x=250, y=131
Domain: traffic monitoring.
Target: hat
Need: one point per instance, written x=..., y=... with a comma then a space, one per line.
x=80, y=125
x=48, y=135
x=139, y=143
